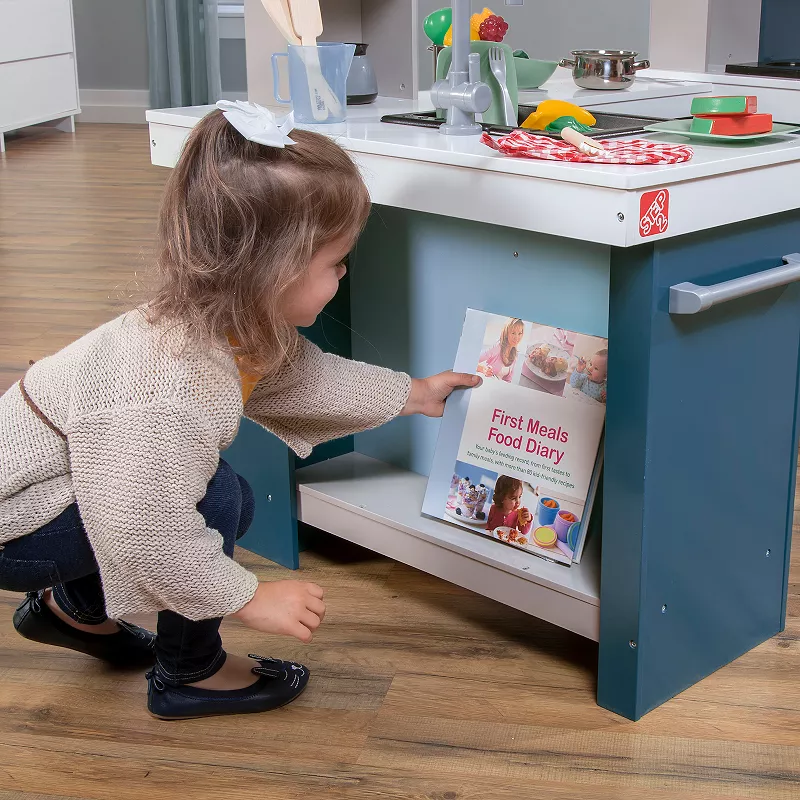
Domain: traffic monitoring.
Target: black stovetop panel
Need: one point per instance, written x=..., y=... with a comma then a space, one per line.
x=609, y=125
x=768, y=69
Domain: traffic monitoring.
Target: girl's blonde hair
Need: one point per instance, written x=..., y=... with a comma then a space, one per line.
x=239, y=225
x=505, y=487
x=507, y=352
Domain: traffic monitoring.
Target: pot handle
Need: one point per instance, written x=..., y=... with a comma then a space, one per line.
x=640, y=65
x=565, y=62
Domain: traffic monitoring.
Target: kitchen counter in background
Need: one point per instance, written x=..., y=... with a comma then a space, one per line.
x=644, y=88
x=755, y=82
x=777, y=96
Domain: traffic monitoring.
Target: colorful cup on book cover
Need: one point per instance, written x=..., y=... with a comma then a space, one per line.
x=564, y=519
x=544, y=536
x=572, y=535
x=546, y=510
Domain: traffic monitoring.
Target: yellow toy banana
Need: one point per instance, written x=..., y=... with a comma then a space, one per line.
x=550, y=110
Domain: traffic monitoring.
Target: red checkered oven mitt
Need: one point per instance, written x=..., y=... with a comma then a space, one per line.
x=636, y=151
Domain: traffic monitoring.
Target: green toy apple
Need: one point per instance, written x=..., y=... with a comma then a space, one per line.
x=437, y=24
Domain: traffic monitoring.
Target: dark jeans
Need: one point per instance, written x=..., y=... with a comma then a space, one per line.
x=59, y=555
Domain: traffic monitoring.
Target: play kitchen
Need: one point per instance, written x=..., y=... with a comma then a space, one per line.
x=478, y=85
x=686, y=266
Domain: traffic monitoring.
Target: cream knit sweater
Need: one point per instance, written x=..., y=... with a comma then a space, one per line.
x=146, y=415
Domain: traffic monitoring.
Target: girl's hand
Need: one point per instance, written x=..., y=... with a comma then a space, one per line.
x=526, y=516
x=485, y=369
x=288, y=608
x=581, y=365
x=428, y=394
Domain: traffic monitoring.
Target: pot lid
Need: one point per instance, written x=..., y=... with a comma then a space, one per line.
x=606, y=53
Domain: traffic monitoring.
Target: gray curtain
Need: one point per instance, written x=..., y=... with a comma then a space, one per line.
x=183, y=45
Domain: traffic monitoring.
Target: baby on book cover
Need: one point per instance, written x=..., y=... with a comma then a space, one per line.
x=517, y=458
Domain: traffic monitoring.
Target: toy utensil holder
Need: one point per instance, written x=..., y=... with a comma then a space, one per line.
x=317, y=81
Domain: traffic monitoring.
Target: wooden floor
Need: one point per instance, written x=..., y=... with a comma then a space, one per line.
x=419, y=690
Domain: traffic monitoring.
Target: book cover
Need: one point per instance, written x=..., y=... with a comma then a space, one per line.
x=519, y=458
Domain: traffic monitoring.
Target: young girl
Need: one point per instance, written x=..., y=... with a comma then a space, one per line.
x=498, y=361
x=505, y=510
x=113, y=496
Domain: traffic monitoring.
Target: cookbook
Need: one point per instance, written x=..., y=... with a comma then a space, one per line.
x=519, y=458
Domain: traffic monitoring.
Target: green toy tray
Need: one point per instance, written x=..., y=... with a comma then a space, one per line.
x=682, y=127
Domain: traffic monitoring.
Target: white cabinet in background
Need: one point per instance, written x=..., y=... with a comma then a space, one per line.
x=38, y=74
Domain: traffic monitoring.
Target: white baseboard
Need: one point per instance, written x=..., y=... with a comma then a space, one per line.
x=123, y=105
x=114, y=105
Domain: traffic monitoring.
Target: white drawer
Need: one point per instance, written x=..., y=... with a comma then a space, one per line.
x=37, y=90
x=166, y=143
x=34, y=28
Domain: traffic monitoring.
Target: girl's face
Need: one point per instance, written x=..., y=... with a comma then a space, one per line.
x=304, y=301
x=515, y=335
x=511, y=503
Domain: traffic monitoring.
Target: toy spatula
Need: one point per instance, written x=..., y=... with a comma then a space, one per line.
x=279, y=13
x=307, y=22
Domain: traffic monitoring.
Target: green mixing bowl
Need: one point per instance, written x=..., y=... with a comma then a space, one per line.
x=531, y=73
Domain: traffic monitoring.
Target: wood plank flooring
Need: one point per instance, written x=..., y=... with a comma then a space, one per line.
x=420, y=690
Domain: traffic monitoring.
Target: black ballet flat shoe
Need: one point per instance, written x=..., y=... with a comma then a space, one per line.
x=131, y=646
x=279, y=683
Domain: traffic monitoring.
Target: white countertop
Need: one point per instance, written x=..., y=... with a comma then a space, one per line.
x=725, y=79
x=421, y=169
x=365, y=133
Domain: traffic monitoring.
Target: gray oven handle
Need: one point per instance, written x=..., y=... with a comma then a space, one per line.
x=688, y=298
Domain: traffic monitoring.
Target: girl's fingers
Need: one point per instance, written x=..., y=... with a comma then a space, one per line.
x=315, y=591
x=317, y=606
x=301, y=632
x=310, y=620
x=459, y=379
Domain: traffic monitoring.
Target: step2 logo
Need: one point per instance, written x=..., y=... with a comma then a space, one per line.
x=654, y=213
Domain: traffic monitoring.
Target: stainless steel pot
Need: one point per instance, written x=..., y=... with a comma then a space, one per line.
x=604, y=69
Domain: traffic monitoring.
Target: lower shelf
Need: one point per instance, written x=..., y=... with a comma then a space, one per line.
x=376, y=505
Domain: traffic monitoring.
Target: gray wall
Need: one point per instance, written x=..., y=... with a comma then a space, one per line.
x=111, y=36
x=233, y=65
x=233, y=61
x=549, y=30
x=733, y=31
x=342, y=20
x=111, y=44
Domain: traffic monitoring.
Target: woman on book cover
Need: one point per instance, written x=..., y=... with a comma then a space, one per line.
x=505, y=509
x=499, y=360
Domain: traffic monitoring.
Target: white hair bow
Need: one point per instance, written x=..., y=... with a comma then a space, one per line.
x=258, y=124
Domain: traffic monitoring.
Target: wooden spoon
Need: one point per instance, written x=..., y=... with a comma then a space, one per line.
x=307, y=22
x=279, y=13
